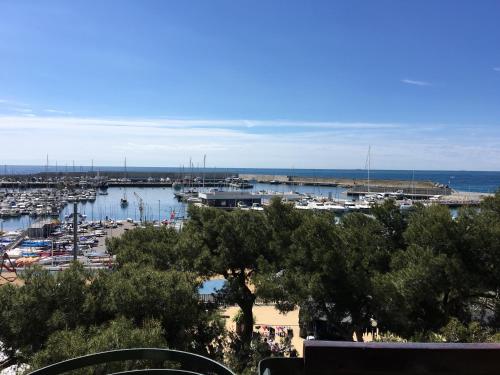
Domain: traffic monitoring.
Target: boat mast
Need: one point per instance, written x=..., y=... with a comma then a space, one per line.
x=204, y=165
x=125, y=167
x=47, y=171
x=413, y=183
x=368, y=167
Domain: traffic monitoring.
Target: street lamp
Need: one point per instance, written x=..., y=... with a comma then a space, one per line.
x=373, y=323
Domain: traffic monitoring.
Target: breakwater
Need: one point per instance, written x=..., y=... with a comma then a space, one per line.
x=408, y=191
x=418, y=189
x=470, y=181
x=50, y=179
x=356, y=186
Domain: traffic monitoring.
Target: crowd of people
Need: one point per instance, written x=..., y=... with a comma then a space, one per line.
x=277, y=340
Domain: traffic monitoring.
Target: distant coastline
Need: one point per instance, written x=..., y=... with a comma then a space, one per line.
x=474, y=181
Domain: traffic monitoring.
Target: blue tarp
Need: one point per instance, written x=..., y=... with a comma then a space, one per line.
x=36, y=243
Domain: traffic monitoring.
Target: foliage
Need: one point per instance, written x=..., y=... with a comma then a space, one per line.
x=330, y=268
x=393, y=221
x=116, y=334
x=234, y=245
x=388, y=337
x=45, y=303
x=244, y=358
x=72, y=303
x=412, y=273
x=146, y=246
x=140, y=293
x=422, y=276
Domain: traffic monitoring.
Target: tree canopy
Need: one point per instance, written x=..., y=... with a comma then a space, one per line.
x=424, y=275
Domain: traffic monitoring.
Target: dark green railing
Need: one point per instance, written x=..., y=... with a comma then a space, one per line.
x=189, y=363
x=281, y=366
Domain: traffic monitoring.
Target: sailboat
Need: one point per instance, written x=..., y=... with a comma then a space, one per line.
x=123, y=200
x=369, y=196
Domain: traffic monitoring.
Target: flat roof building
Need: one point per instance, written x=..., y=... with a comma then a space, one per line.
x=233, y=199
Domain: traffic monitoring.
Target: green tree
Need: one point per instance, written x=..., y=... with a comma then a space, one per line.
x=455, y=331
x=447, y=272
x=283, y=219
x=329, y=272
x=492, y=204
x=432, y=227
x=146, y=246
x=234, y=245
x=73, y=301
x=413, y=296
x=393, y=220
x=116, y=334
x=30, y=313
x=171, y=297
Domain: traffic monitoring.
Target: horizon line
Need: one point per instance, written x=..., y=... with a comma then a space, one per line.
x=63, y=166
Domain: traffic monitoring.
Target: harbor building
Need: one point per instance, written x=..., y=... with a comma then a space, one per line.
x=229, y=199
x=41, y=229
x=234, y=199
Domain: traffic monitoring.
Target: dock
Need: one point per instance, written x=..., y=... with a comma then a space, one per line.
x=407, y=192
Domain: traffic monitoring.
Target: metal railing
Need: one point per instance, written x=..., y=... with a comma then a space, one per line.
x=189, y=363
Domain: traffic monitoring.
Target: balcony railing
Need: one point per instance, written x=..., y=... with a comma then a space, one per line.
x=320, y=358
x=188, y=363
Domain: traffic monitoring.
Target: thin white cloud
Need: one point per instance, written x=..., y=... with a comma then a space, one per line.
x=210, y=123
x=415, y=82
x=22, y=110
x=496, y=68
x=57, y=111
x=266, y=143
x=13, y=103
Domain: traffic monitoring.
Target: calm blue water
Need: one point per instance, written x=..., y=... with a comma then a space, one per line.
x=158, y=203
x=474, y=181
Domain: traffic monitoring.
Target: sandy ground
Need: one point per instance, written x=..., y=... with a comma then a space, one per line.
x=7, y=277
x=268, y=315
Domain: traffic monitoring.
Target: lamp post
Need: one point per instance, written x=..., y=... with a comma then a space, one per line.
x=75, y=231
x=373, y=324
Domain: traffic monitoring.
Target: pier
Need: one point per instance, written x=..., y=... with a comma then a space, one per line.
x=350, y=183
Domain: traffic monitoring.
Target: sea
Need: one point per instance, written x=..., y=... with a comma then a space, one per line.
x=160, y=203
x=473, y=181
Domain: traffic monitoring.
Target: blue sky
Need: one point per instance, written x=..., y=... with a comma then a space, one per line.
x=308, y=84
